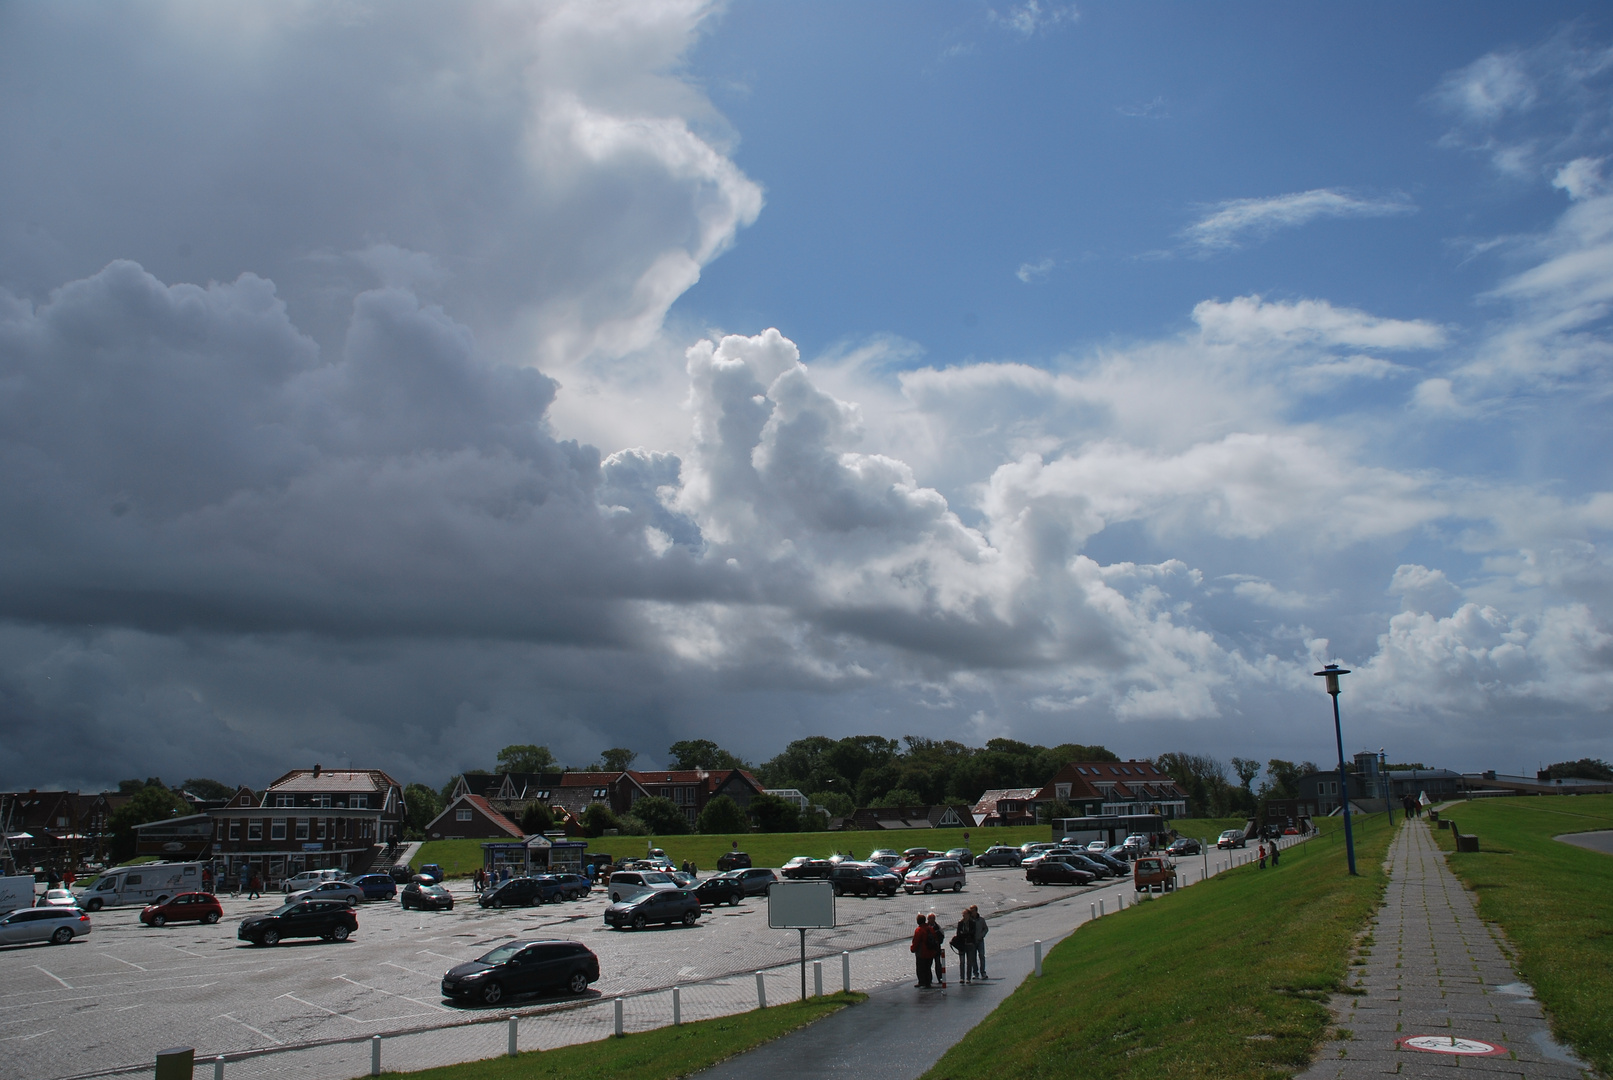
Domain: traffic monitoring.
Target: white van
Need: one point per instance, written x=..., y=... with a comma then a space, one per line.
x=147, y=883
x=16, y=892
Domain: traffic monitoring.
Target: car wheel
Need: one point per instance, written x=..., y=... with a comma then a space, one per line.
x=733, y=899
x=957, y=886
x=640, y=922
x=62, y=936
x=352, y=901
x=492, y=993
x=94, y=905
x=497, y=903
x=839, y=891
x=157, y=920
x=450, y=906
x=210, y=918
x=928, y=887
x=578, y=983
x=270, y=937
x=690, y=918
x=339, y=933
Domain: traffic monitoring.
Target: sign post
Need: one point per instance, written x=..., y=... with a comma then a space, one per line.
x=803, y=906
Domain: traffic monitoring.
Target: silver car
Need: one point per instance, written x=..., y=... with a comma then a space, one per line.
x=57, y=898
x=331, y=890
x=57, y=925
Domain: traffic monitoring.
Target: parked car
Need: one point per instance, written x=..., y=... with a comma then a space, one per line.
x=1082, y=861
x=309, y=878
x=1121, y=852
x=733, y=860
x=516, y=892
x=1138, y=842
x=1232, y=838
x=1031, y=848
x=332, y=920
x=523, y=967
x=1153, y=871
x=186, y=907
x=1098, y=845
x=919, y=854
x=1054, y=872
x=57, y=925
x=888, y=859
x=573, y=886
x=1120, y=867
x=721, y=889
x=663, y=906
x=859, y=880
x=57, y=898
x=683, y=879
x=345, y=891
x=936, y=875
x=877, y=852
x=426, y=897
x=434, y=872
x=805, y=869
x=1184, y=845
x=626, y=884
x=377, y=886
x=999, y=855
x=402, y=873
x=962, y=854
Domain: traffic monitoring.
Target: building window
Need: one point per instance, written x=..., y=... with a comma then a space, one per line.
x=461, y=815
x=302, y=828
x=359, y=802
x=277, y=829
x=283, y=801
x=320, y=834
x=601, y=793
x=235, y=829
x=254, y=830
x=322, y=800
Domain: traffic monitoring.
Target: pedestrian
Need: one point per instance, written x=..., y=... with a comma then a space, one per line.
x=1276, y=853
x=256, y=887
x=920, y=948
x=207, y=879
x=963, y=941
x=68, y=877
x=979, y=939
x=938, y=951
x=1262, y=856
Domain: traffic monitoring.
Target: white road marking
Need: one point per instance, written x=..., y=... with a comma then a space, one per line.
x=24, y=1038
x=440, y=956
x=411, y=971
x=126, y=1008
x=249, y=1027
x=42, y=971
x=389, y=993
x=121, y=960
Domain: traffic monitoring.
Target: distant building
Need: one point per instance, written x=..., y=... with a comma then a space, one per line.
x=911, y=817
x=791, y=796
x=569, y=794
x=471, y=817
x=1539, y=784
x=1005, y=807
x=1114, y=789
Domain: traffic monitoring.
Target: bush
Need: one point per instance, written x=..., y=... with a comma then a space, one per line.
x=631, y=825
x=773, y=814
x=661, y=816
x=597, y=818
x=900, y=797
x=536, y=818
x=722, y=816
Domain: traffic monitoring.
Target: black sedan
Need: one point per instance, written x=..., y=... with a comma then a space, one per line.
x=863, y=880
x=662, y=906
x=426, y=897
x=1120, y=867
x=1185, y=845
x=523, y=967
x=1084, y=861
x=721, y=889
x=1053, y=872
x=999, y=856
x=332, y=920
x=521, y=892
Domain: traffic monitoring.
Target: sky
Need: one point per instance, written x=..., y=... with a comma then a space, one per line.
x=383, y=384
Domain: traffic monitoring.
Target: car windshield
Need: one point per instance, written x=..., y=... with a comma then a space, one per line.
x=501, y=954
x=284, y=908
x=657, y=879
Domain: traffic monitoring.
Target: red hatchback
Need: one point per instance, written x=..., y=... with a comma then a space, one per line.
x=186, y=907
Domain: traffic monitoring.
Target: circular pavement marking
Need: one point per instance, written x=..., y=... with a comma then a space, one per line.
x=1446, y=1044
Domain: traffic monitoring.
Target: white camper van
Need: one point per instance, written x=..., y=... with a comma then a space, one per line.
x=16, y=892
x=147, y=883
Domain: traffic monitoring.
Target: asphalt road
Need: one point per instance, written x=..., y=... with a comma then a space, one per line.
x=117, y=996
x=1594, y=841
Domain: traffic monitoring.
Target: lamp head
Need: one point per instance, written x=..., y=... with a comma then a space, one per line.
x=1331, y=673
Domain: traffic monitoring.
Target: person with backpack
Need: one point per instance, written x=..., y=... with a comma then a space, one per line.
x=922, y=960
x=963, y=942
x=938, y=949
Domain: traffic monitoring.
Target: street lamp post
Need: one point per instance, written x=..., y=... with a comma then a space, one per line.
x=1331, y=674
x=1388, y=786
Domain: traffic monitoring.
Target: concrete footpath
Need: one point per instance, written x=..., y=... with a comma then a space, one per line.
x=1438, y=991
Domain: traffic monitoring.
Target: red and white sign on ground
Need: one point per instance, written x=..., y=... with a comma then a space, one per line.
x=1449, y=1044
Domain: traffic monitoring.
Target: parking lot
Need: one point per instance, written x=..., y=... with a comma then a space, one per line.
x=127, y=990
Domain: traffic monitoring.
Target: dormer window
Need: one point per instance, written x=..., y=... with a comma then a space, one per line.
x=600, y=793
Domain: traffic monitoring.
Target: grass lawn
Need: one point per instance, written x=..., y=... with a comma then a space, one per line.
x=1553, y=900
x=663, y=1054
x=1225, y=979
x=460, y=858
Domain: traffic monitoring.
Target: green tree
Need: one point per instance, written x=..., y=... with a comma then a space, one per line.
x=631, y=825
x=597, y=818
x=1051, y=812
x=773, y=814
x=618, y=759
x=423, y=805
x=525, y=758
x=203, y=788
x=661, y=816
x=1247, y=769
x=536, y=818
x=721, y=816
x=702, y=754
x=901, y=797
x=837, y=803
x=153, y=802
x=1583, y=769
x=134, y=787
x=1283, y=778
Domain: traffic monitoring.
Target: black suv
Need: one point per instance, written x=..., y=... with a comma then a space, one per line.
x=721, y=889
x=662, y=906
x=999, y=856
x=803, y=869
x=521, y=892
x=523, y=967
x=861, y=881
x=733, y=860
x=332, y=920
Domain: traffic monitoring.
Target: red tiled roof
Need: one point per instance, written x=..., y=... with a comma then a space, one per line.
x=492, y=815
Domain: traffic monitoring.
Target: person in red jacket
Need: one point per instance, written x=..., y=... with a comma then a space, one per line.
x=923, y=954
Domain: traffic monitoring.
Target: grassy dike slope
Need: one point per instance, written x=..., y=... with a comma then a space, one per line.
x=1554, y=901
x=1224, y=979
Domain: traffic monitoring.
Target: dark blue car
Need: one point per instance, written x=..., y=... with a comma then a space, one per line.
x=377, y=886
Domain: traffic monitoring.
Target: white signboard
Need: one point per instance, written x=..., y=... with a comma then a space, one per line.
x=801, y=905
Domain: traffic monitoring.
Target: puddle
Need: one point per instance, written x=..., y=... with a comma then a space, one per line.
x=1555, y=1050
x=1516, y=989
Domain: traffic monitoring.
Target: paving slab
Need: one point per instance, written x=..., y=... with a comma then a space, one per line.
x=1433, y=968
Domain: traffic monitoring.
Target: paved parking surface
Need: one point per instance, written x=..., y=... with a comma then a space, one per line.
x=126, y=991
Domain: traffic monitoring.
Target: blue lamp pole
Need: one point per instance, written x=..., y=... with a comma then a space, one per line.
x=1331, y=673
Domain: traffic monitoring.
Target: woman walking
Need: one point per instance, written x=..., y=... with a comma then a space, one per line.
x=963, y=940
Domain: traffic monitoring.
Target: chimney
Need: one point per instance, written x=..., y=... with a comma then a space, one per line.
x=316, y=771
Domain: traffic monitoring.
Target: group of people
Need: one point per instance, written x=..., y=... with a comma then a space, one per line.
x=1275, y=853
x=930, y=945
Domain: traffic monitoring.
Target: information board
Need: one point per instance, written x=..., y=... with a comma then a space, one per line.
x=801, y=905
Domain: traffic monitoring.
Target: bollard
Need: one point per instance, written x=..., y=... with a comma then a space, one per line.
x=375, y=1055
x=845, y=972
x=817, y=978
x=513, y=1035
x=176, y=1064
x=1037, y=945
x=1100, y=909
x=1093, y=910
x=218, y=1067
x=618, y=1018
x=761, y=992
x=677, y=1007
